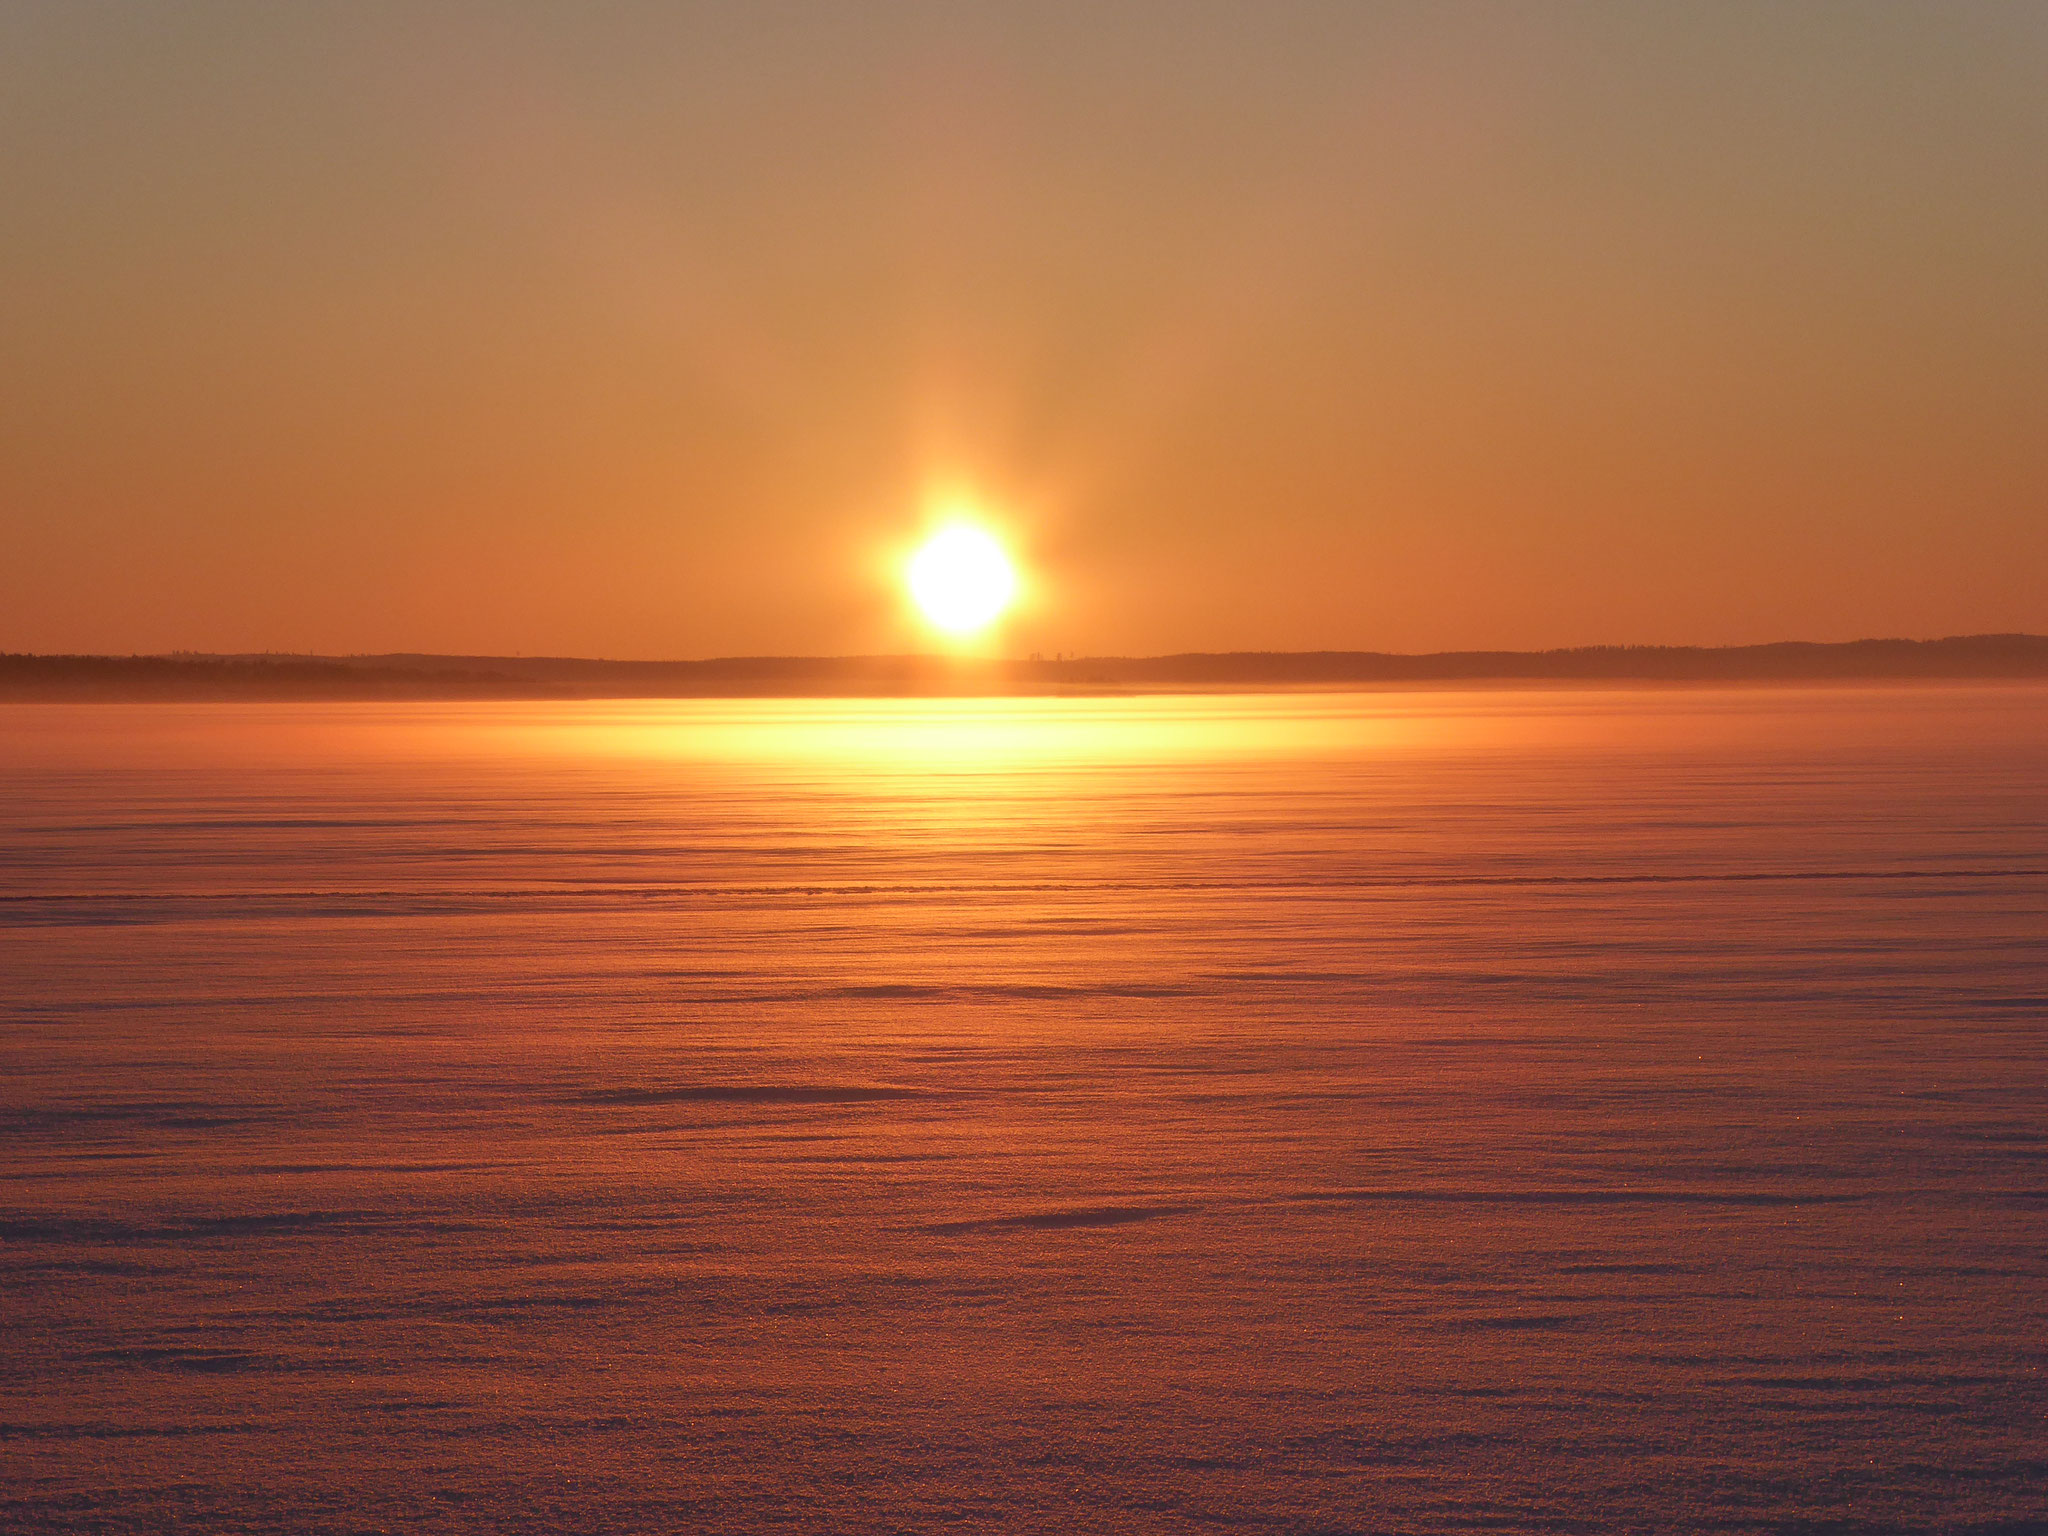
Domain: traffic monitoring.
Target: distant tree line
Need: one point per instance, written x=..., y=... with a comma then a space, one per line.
x=188, y=676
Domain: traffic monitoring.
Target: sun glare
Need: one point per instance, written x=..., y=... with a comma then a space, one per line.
x=961, y=579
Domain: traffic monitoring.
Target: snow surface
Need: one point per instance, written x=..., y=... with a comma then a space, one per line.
x=1519, y=1112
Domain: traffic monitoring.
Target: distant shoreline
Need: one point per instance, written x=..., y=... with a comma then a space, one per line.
x=1963, y=658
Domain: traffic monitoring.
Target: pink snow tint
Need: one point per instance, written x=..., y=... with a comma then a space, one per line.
x=1514, y=1112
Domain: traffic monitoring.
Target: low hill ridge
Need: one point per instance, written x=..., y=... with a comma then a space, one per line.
x=423, y=676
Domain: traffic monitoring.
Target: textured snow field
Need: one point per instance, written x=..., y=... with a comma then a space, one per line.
x=1510, y=1112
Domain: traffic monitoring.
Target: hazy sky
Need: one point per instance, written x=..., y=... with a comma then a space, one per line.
x=649, y=329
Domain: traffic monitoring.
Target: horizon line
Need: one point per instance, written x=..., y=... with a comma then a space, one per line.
x=400, y=675
x=1035, y=657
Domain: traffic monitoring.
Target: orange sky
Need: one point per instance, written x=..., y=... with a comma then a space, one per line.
x=646, y=329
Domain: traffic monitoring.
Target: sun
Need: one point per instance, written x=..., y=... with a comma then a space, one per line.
x=961, y=579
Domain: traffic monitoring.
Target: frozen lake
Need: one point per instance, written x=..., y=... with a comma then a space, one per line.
x=1520, y=1112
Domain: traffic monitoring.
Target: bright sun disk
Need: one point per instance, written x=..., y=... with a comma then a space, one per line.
x=960, y=579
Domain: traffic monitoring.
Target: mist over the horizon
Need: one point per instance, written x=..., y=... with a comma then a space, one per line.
x=646, y=330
